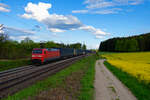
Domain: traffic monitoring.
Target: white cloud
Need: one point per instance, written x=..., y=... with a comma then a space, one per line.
x=37, y=28
x=97, y=32
x=55, y=22
x=3, y=5
x=80, y=11
x=128, y=2
x=106, y=6
x=100, y=5
x=100, y=11
x=108, y=11
x=136, y=2
x=23, y=37
x=13, y=31
x=38, y=12
x=4, y=8
x=62, y=22
x=99, y=37
x=92, y=4
x=56, y=30
x=93, y=30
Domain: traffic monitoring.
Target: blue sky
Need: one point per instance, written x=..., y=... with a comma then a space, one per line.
x=71, y=21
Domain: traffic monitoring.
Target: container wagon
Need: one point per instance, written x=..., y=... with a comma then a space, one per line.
x=66, y=52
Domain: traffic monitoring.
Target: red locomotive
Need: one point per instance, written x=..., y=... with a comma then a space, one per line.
x=44, y=55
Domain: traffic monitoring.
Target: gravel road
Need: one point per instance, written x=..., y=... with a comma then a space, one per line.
x=108, y=87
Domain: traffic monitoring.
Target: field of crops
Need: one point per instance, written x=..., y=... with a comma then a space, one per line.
x=136, y=64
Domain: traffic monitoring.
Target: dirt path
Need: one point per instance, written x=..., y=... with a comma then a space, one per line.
x=108, y=87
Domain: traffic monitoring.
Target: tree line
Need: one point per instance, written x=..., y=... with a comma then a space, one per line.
x=10, y=49
x=127, y=44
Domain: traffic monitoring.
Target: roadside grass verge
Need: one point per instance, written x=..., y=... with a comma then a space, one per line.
x=57, y=80
x=139, y=89
x=87, y=90
x=9, y=64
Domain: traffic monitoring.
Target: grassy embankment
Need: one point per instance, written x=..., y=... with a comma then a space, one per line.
x=133, y=69
x=9, y=64
x=74, y=82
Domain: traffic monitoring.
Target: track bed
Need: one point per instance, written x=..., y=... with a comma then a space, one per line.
x=14, y=80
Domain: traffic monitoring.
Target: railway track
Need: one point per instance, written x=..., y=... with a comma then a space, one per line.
x=15, y=70
x=14, y=80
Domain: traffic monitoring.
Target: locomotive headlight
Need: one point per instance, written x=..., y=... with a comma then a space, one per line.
x=39, y=55
x=33, y=55
x=36, y=55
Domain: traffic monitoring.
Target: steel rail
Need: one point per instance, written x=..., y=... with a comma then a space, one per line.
x=15, y=70
x=6, y=85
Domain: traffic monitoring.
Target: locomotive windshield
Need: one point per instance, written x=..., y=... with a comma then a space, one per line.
x=37, y=51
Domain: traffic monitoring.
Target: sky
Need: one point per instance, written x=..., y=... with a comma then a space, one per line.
x=70, y=21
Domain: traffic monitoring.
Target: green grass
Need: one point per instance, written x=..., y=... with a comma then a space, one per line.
x=139, y=89
x=9, y=64
x=58, y=80
x=87, y=90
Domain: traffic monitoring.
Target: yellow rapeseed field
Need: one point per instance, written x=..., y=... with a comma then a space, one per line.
x=136, y=64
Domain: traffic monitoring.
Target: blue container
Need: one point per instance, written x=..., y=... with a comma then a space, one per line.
x=80, y=51
x=66, y=52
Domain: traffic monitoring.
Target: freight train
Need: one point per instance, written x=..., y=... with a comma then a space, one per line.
x=42, y=55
